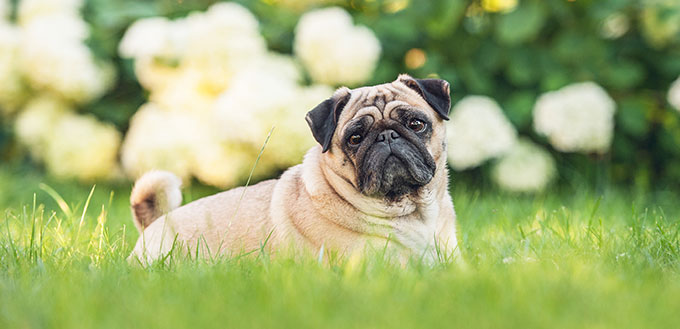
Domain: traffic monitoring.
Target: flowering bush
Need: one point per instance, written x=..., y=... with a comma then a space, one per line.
x=196, y=86
x=525, y=168
x=70, y=144
x=215, y=92
x=35, y=121
x=44, y=61
x=333, y=50
x=478, y=131
x=53, y=55
x=82, y=146
x=576, y=118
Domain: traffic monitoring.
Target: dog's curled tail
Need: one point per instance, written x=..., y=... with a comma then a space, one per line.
x=154, y=194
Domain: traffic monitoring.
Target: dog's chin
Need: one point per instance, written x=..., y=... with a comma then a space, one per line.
x=391, y=173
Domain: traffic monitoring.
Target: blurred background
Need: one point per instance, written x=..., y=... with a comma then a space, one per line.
x=545, y=93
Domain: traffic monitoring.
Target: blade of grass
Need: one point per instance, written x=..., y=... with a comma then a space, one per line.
x=252, y=170
x=82, y=216
x=245, y=187
x=58, y=199
x=31, y=246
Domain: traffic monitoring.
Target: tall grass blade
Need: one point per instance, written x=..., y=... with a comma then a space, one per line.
x=82, y=216
x=250, y=176
x=58, y=199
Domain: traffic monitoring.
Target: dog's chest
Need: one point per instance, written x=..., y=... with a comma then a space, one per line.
x=415, y=232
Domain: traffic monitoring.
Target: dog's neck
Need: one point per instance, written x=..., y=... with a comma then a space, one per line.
x=411, y=222
x=414, y=207
x=347, y=192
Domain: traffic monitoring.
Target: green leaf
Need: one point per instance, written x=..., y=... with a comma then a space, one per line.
x=631, y=115
x=476, y=81
x=555, y=79
x=521, y=25
x=447, y=16
x=519, y=108
x=522, y=69
x=623, y=75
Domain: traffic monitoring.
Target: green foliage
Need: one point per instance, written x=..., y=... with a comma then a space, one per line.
x=544, y=45
x=511, y=56
x=521, y=25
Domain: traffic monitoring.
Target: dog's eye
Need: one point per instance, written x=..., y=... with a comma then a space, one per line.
x=354, y=139
x=416, y=125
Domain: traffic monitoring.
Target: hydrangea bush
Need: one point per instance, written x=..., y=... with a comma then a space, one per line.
x=542, y=90
x=478, y=131
x=47, y=72
x=215, y=94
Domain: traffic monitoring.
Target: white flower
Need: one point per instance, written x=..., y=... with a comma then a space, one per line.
x=214, y=45
x=13, y=91
x=615, y=25
x=245, y=117
x=30, y=10
x=333, y=50
x=221, y=42
x=222, y=165
x=674, y=94
x=292, y=138
x=161, y=140
x=185, y=91
x=231, y=18
x=53, y=56
x=208, y=116
x=62, y=27
x=82, y=147
x=35, y=122
x=280, y=65
x=66, y=68
x=149, y=38
x=245, y=112
x=576, y=118
x=184, y=143
x=525, y=168
x=477, y=131
x=154, y=74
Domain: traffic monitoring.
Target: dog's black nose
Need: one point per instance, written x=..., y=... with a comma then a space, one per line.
x=388, y=135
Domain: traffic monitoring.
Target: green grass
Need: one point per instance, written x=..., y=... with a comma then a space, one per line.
x=571, y=258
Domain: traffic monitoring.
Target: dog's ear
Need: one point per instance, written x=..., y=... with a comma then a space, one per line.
x=323, y=119
x=436, y=92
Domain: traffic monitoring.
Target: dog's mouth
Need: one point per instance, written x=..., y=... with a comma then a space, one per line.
x=394, y=170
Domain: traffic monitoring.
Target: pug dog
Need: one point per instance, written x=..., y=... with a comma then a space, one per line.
x=378, y=178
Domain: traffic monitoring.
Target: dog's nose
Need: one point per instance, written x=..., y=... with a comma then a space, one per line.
x=388, y=135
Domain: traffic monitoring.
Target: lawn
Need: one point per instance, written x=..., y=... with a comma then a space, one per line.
x=574, y=257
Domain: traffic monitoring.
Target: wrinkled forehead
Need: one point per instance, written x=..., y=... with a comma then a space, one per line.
x=380, y=100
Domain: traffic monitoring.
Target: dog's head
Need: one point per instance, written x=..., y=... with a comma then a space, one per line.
x=387, y=140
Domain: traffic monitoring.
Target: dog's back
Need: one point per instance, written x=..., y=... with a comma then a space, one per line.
x=233, y=221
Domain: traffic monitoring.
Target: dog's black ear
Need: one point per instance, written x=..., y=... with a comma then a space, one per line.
x=436, y=92
x=323, y=119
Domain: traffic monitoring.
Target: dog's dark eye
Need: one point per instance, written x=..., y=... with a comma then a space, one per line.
x=416, y=125
x=354, y=139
